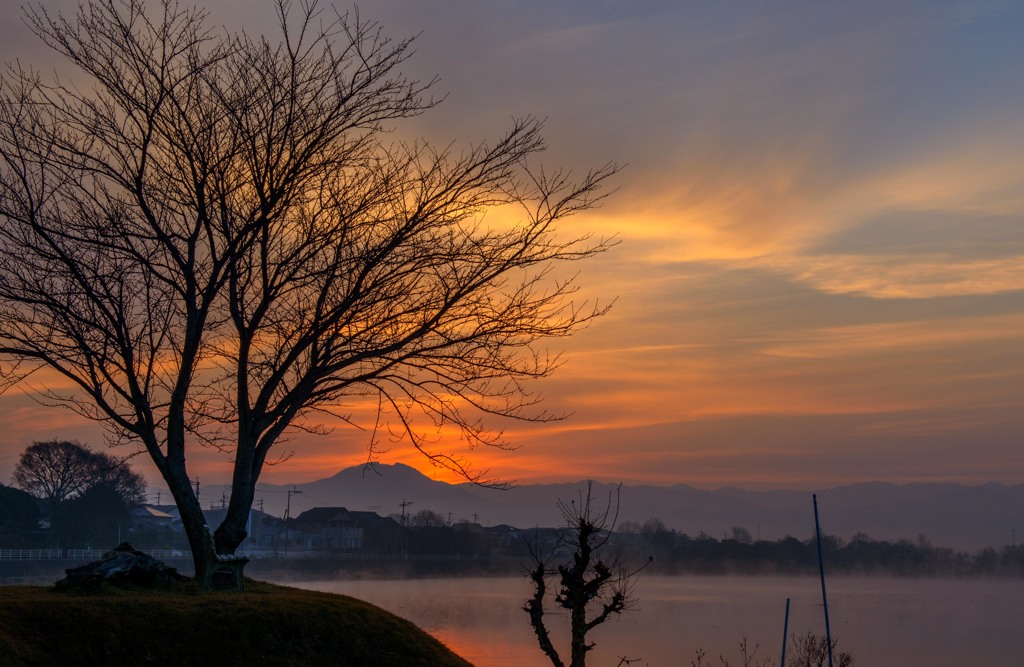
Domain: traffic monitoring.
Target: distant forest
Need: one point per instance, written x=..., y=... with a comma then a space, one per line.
x=433, y=544
x=678, y=553
x=674, y=552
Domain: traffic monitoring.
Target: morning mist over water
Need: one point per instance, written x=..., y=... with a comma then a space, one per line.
x=883, y=622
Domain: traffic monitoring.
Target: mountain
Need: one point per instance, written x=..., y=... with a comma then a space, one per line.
x=951, y=515
x=380, y=488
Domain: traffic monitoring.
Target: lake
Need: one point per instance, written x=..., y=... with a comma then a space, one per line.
x=884, y=622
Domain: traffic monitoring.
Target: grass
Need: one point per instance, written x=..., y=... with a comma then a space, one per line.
x=267, y=625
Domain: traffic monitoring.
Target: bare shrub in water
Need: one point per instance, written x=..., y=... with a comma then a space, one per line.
x=592, y=586
x=809, y=650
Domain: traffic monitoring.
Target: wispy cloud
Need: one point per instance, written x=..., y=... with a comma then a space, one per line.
x=821, y=273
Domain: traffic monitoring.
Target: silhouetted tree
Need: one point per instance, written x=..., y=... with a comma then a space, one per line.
x=19, y=512
x=653, y=527
x=630, y=528
x=99, y=516
x=214, y=239
x=57, y=471
x=54, y=471
x=656, y=535
x=591, y=581
x=427, y=519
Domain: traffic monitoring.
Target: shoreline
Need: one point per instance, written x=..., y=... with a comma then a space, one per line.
x=284, y=570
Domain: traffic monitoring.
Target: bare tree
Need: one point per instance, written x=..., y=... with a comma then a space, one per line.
x=592, y=586
x=215, y=240
x=53, y=471
x=56, y=471
x=427, y=519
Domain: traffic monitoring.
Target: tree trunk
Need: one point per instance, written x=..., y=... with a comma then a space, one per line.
x=232, y=530
x=576, y=592
x=200, y=541
x=535, y=608
x=578, y=645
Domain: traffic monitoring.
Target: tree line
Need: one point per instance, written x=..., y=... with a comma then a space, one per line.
x=679, y=553
x=67, y=494
x=84, y=498
x=674, y=552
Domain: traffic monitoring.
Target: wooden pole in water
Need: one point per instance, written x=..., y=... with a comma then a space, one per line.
x=785, y=633
x=821, y=569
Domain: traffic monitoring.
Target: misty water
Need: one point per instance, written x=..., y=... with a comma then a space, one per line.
x=884, y=622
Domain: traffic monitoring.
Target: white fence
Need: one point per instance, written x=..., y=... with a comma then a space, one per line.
x=32, y=554
x=170, y=554
x=78, y=554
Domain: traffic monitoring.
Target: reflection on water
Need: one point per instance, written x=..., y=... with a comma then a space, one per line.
x=884, y=622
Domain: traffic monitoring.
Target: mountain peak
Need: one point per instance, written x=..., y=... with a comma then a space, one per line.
x=951, y=515
x=394, y=471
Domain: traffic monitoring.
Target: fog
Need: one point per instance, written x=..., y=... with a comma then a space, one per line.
x=883, y=622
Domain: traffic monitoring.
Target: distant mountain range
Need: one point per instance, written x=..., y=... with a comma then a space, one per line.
x=950, y=515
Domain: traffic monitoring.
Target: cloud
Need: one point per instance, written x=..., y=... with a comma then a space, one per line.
x=822, y=266
x=937, y=224
x=905, y=276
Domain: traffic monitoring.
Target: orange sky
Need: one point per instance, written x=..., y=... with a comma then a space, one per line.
x=821, y=271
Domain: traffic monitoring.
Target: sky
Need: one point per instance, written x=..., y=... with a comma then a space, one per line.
x=820, y=271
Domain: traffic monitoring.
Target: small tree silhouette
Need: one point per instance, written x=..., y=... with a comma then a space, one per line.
x=587, y=581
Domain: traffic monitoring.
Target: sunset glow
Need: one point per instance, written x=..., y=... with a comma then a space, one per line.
x=820, y=270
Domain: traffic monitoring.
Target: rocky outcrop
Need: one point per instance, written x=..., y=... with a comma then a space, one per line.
x=122, y=566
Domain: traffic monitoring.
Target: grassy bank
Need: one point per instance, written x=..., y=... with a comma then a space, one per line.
x=266, y=625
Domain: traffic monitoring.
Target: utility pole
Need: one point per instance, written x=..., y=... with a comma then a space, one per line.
x=259, y=523
x=287, y=515
x=405, y=537
x=405, y=503
x=288, y=508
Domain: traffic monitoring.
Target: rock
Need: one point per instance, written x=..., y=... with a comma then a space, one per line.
x=122, y=566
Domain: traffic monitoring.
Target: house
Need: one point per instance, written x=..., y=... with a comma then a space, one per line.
x=381, y=534
x=329, y=529
x=259, y=527
x=504, y=534
x=148, y=517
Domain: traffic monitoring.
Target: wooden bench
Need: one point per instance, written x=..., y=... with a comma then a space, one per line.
x=227, y=574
